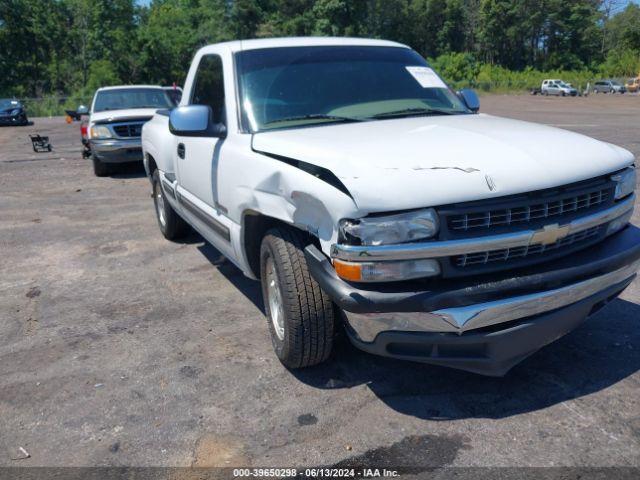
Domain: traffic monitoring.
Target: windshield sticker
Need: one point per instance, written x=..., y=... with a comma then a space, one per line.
x=426, y=77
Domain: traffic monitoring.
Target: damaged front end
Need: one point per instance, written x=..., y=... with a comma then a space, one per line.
x=481, y=285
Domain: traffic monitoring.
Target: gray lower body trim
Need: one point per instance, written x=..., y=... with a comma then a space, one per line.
x=168, y=189
x=205, y=218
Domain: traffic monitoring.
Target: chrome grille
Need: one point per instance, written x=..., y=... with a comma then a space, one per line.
x=128, y=130
x=527, y=213
x=504, y=255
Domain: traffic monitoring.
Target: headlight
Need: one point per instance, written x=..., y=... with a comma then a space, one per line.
x=15, y=111
x=100, y=131
x=625, y=182
x=391, y=229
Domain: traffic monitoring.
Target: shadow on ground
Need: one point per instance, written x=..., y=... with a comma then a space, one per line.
x=597, y=355
x=128, y=170
x=249, y=288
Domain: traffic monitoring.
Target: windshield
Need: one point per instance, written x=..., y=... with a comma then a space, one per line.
x=298, y=86
x=8, y=103
x=123, y=98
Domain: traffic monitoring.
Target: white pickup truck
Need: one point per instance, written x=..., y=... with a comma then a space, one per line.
x=115, y=123
x=362, y=191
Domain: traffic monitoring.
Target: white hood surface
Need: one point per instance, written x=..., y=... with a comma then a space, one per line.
x=417, y=162
x=125, y=114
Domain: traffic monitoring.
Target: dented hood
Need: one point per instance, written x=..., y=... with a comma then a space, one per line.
x=427, y=161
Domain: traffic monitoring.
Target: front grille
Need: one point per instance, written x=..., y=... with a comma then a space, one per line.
x=510, y=254
x=128, y=130
x=523, y=214
x=530, y=211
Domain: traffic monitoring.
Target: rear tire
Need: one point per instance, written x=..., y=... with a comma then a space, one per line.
x=100, y=169
x=171, y=224
x=301, y=317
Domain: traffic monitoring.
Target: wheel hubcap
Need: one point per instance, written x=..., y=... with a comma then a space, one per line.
x=157, y=196
x=274, y=298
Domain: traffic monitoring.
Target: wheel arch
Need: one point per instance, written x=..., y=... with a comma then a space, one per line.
x=150, y=164
x=254, y=226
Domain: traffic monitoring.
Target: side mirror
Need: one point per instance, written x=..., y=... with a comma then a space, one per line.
x=82, y=110
x=195, y=121
x=470, y=99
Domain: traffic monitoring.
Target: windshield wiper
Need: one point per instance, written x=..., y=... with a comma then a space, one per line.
x=407, y=112
x=316, y=116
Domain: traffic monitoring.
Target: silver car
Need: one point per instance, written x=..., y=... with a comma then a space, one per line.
x=608, y=86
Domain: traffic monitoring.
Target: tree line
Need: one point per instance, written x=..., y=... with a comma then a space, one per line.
x=71, y=47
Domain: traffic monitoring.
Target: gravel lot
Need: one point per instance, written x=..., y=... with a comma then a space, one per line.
x=121, y=348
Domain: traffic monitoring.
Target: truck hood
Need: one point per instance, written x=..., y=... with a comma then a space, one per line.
x=109, y=116
x=427, y=161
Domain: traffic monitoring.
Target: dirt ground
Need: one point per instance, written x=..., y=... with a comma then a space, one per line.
x=118, y=347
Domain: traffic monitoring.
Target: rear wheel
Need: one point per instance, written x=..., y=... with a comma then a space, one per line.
x=301, y=318
x=100, y=169
x=171, y=224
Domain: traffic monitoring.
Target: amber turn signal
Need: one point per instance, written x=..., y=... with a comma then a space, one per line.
x=348, y=270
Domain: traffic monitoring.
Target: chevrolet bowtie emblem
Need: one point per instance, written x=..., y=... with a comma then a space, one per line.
x=549, y=234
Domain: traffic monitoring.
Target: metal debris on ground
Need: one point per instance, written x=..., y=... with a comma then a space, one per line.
x=40, y=144
x=23, y=454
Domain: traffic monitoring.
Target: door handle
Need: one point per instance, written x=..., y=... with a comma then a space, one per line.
x=181, y=150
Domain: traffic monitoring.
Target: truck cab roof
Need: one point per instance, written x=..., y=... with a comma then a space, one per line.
x=254, y=44
x=120, y=87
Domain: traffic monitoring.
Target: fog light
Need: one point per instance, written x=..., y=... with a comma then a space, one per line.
x=386, y=271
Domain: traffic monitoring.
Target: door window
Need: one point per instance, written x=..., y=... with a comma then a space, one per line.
x=208, y=88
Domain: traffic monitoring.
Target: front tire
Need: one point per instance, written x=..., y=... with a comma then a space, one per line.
x=100, y=169
x=301, y=317
x=171, y=224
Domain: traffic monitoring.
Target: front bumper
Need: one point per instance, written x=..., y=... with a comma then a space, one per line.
x=20, y=119
x=117, y=150
x=483, y=324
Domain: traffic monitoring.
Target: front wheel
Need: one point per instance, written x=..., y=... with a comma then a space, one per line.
x=171, y=224
x=301, y=318
x=100, y=169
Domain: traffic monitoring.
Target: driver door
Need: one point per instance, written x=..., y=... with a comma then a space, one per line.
x=197, y=157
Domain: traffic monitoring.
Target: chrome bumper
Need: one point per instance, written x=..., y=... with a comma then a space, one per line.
x=117, y=150
x=437, y=249
x=461, y=319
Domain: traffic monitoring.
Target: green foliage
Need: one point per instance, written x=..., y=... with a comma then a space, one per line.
x=63, y=49
x=623, y=30
x=102, y=73
x=621, y=63
x=457, y=67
